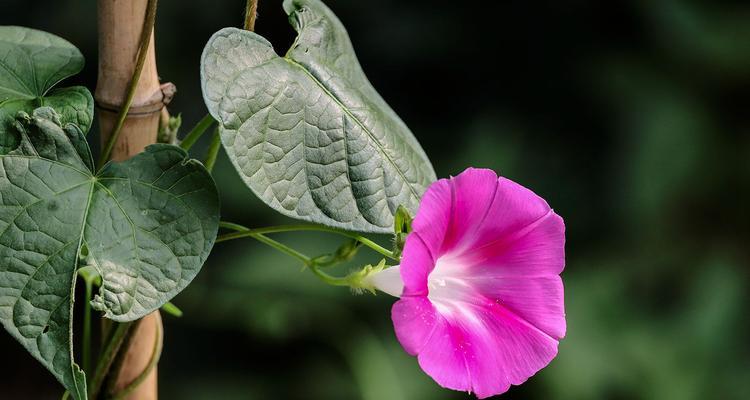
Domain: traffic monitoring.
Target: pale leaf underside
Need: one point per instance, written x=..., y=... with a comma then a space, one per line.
x=307, y=132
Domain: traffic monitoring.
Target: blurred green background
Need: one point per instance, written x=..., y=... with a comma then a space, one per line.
x=632, y=118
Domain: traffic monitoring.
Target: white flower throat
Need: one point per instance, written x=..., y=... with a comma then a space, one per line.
x=445, y=283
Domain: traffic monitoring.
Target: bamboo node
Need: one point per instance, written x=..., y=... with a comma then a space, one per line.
x=160, y=99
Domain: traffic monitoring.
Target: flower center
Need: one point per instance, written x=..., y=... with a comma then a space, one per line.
x=448, y=289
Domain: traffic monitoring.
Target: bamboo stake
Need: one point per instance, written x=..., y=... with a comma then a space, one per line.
x=120, y=27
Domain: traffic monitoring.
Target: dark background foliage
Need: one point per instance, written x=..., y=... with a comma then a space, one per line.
x=632, y=118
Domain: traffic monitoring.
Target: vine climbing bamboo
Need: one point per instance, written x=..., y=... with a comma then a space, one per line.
x=129, y=99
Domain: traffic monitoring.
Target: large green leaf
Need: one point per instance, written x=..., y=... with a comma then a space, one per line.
x=307, y=132
x=146, y=224
x=32, y=62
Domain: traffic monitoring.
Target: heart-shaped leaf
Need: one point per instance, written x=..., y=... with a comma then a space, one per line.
x=32, y=62
x=146, y=225
x=307, y=132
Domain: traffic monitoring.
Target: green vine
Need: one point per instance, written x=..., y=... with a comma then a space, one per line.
x=153, y=361
x=213, y=151
x=112, y=347
x=355, y=280
x=241, y=231
x=198, y=130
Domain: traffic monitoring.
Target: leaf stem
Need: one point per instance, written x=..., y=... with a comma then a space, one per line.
x=108, y=356
x=213, y=151
x=307, y=261
x=251, y=12
x=282, y=248
x=259, y=236
x=197, y=132
x=353, y=280
x=242, y=231
x=87, y=326
x=171, y=309
x=148, y=27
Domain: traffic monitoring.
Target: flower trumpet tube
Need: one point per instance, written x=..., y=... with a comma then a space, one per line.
x=481, y=298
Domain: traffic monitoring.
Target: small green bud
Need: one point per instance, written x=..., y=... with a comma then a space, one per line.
x=348, y=250
x=402, y=220
x=401, y=228
x=168, y=129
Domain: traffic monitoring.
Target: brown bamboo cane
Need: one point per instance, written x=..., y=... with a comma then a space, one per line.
x=120, y=25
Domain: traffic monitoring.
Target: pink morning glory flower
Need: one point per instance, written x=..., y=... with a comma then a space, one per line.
x=481, y=299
